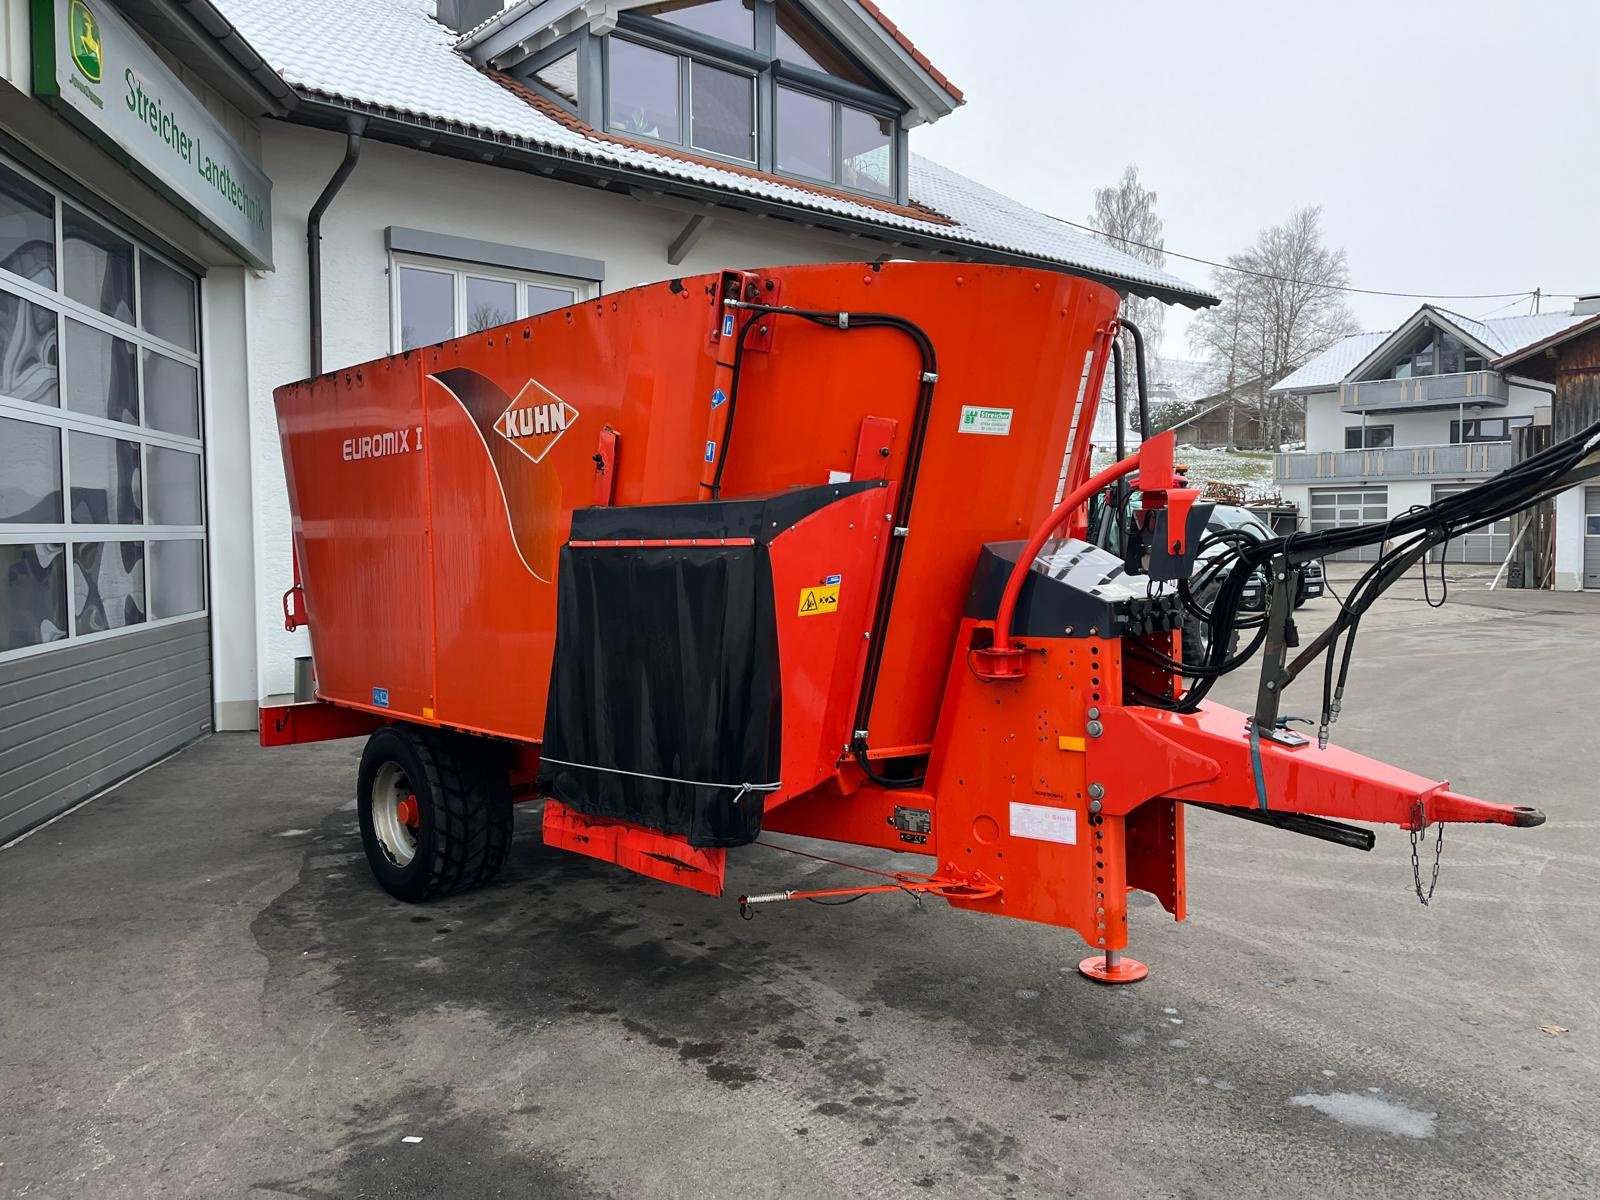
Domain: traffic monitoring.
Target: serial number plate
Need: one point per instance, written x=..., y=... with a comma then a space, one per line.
x=1043, y=823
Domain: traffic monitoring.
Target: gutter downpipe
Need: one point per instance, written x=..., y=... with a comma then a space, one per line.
x=355, y=126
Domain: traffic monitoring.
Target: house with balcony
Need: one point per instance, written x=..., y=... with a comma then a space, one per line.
x=1408, y=416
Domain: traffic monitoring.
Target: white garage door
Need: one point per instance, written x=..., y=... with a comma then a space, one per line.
x=1591, y=537
x=104, y=641
x=1340, y=508
x=1490, y=544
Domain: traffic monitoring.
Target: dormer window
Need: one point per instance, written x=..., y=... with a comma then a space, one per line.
x=752, y=82
x=799, y=43
x=676, y=98
x=1435, y=352
x=731, y=21
x=559, y=78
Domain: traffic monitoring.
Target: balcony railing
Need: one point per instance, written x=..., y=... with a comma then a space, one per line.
x=1475, y=461
x=1425, y=391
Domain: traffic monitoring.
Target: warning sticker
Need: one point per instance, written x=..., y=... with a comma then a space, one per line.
x=975, y=418
x=1043, y=823
x=816, y=601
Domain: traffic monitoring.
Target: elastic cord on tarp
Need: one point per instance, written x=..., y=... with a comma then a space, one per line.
x=741, y=788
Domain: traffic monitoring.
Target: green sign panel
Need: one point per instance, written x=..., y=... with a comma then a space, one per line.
x=91, y=65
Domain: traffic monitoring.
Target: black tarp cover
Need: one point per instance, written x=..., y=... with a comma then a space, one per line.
x=666, y=664
x=665, y=693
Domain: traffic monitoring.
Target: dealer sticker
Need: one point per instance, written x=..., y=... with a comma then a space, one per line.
x=975, y=418
x=1043, y=823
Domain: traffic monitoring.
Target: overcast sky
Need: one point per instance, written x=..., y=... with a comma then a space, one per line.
x=1451, y=143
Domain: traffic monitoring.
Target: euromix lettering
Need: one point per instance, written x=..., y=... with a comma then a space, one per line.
x=147, y=107
x=382, y=445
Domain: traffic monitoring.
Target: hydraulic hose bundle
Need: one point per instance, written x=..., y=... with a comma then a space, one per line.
x=1403, y=541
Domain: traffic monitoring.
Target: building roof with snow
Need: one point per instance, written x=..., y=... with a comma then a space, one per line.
x=1495, y=338
x=393, y=63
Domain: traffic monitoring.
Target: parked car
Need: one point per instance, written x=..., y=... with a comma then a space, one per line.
x=1231, y=516
x=1107, y=532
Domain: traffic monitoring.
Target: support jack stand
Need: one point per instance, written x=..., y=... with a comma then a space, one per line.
x=1111, y=967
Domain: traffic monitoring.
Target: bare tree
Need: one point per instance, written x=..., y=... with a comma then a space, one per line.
x=1125, y=215
x=1280, y=307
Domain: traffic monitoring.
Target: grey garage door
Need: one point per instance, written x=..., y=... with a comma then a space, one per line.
x=1591, y=537
x=1490, y=544
x=1337, y=508
x=104, y=636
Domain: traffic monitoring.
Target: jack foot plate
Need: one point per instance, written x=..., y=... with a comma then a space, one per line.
x=1112, y=968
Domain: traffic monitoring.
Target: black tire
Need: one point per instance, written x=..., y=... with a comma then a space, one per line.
x=462, y=827
x=1197, y=634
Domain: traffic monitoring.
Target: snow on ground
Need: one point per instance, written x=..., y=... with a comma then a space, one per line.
x=1249, y=469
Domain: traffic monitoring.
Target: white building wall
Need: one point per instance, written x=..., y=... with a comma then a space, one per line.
x=229, y=521
x=1324, y=422
x=1569, y=541
x=16, y=47
x=394, y=186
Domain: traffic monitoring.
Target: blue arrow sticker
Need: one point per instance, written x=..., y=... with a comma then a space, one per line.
x=727, y=325
x=718, y=398
x=380, y=697
x=711, y=452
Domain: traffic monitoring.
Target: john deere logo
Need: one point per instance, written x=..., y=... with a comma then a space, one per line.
x=84, y=31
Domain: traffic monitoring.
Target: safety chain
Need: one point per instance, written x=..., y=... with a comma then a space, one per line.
x=1417, y=828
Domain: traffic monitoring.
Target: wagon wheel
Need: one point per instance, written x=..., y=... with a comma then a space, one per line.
x=435, y=812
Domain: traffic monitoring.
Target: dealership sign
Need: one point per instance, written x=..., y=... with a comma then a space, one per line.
x=90, y=64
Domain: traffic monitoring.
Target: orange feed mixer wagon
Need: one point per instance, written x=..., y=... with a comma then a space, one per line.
x=787, y=550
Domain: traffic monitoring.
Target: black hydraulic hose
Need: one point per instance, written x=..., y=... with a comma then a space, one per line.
x=1121, y=400
x=1140, y=379
x=352, y=154
x=733, y=404
x=929, y=375
x=1413, y=533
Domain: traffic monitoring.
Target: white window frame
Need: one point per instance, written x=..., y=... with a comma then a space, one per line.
x=66, y=421
x=581, y=289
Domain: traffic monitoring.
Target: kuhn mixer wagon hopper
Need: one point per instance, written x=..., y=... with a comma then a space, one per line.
x=791, y=550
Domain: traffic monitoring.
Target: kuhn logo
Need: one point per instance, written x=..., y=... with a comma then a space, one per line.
x=535, y=420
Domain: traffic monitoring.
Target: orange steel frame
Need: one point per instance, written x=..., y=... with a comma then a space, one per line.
x=432, y=490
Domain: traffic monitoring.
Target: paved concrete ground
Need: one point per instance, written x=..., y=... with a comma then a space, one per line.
x=202, y=994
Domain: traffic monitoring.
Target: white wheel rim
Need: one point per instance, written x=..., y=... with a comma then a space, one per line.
x=390, y=789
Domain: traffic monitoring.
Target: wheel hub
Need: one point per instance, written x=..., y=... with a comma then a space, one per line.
x=396, y=814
